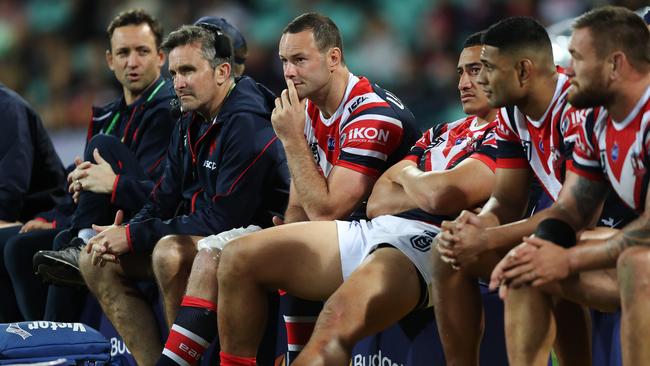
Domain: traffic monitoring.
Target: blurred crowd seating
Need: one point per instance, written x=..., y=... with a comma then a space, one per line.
x=52, y=51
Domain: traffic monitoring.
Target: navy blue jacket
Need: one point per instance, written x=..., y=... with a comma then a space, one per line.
x=218, y=175
x=32, y=177
x=145, y=127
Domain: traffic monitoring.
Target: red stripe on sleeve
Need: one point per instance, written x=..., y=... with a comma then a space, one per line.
x=251, y=164
x=584, y=173
x=485, y=160
x=114, y=193
x=506, y=163
x=128, y=237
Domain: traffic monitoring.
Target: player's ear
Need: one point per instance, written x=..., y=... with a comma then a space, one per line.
x=334, y=57
x=615, y=61
x=524, y=70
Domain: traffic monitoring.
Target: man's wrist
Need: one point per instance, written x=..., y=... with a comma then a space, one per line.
x=292, y=142
x=572, y=259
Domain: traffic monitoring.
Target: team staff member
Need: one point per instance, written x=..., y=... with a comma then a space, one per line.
x=224, y=169
x=127, y=140
x=173, y=260
x=32, y=179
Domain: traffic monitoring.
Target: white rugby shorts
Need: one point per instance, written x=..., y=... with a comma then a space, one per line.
x=357, y=239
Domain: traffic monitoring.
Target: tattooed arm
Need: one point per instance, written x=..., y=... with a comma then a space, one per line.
x=603, y=253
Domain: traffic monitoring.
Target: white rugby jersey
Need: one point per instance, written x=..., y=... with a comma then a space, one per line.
x=618, y=152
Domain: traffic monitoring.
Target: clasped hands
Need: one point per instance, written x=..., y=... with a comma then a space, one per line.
x=110, y=243
x=86, y=176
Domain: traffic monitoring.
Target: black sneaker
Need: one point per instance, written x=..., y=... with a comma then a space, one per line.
x=60, y=267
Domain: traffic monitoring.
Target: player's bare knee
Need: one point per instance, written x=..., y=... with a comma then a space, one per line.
x=235, y=259
x=633, y=269
x=91, y=273
x=206, y=264
x=171, y=256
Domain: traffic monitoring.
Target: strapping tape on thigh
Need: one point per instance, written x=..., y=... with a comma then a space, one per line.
x=220, y=240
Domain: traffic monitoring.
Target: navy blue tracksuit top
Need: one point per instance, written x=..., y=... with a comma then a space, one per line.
x=144, y=127
x=219, y=174
x=32, y=177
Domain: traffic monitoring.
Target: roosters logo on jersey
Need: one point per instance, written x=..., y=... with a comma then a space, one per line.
x=330, y=143
x=368, y=133
x=615, y=152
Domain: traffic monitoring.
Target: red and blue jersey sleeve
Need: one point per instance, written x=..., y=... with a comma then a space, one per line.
x=486, y=152
x=417, y=151
x=511, y=154
x=586, y=155
x=368, y=139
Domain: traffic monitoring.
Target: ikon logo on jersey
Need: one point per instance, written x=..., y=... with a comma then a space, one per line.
x=368, y=133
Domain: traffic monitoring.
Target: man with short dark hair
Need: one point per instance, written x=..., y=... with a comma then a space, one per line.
x=126, y=140
x=610, y=67
x=225, y=168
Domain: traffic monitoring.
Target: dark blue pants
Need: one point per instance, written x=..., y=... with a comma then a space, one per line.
x=64, y=303
x=33, y=299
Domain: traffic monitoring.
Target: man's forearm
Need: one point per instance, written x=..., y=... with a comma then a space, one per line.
x=637, y=233
x=506, y=236
x=388, y=198
x=604, y=252
x=295, y=214
x=591, y=255
x=311, y=185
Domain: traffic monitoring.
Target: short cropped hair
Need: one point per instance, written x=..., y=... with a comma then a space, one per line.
x=326, y=33
x=189, y=34
x=618, y=28
x=517, y=33
x=474, y=39
x=136, y=17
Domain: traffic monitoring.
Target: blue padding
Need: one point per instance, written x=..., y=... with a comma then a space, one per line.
x=35, y=341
